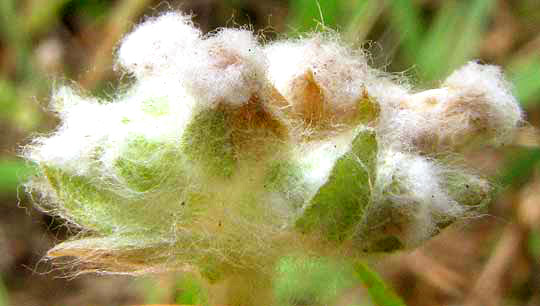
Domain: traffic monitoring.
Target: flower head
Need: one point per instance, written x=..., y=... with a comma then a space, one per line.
x=227, y=154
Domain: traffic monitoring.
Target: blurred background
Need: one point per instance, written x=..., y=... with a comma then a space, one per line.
x=491, y=260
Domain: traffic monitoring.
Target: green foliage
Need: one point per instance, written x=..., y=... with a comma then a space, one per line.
x=153, y=291
x=285, y=177
x=437, y=42
x=281, y=175
x=43, y=15
x=145, y=164
x=520, y=166
x=12, y=172
x=381, y=229
x=93, y=10
x=526, y=79
x=84, y=202
x=8, y=98
x=96, y=205
x=451, y=39
x=367, y=111
x=405, y=19
x=534, y=243
x=380, y=293
x=467, y=189
x=364, y=15
x=307, y=15
x=302, y=280
x=11, y=29
x=190, y=291
x=208, y=141
x=339, y=204
x=472, y=26
x=4, y=301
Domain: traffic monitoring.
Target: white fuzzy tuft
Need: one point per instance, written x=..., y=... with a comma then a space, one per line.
x=225, y=67
x=421, y=194
x=228, y=67
x=473, y=105
x=155, y=44
x=339, y=72
x=485, y=86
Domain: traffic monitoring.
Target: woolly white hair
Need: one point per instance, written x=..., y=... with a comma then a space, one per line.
x=474, y=102
x=226, y=153
x=340, y=72
x=227, y=66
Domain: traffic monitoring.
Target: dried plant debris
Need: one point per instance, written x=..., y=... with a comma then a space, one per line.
x=227, y=154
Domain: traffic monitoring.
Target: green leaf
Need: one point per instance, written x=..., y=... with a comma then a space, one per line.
x=381, y=294
x=208, y=141
x=12, y=173
x=339, y=204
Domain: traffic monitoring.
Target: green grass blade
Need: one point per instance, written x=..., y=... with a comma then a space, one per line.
x=451, y=40
x=381, y=294
x=526, y=79
x=476, y=15
x=437, y=43
x=365, y=14
x=405, y=20
x=308, y=15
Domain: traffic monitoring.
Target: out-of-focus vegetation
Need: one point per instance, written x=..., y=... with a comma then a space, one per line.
x=491, y=261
